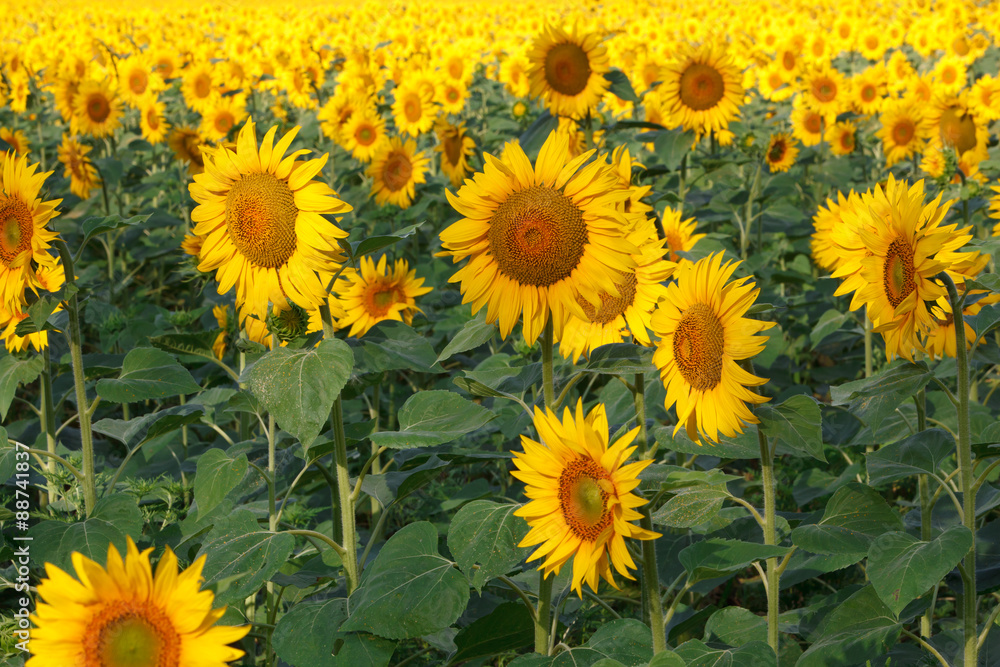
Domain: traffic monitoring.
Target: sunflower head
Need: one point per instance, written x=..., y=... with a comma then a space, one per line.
x=581, y=507
x=702, y=88
x=567, y=70
x=539, y=236
x=124, y=615
x=703, y=335
x=262, y=218
x=395, y=170
x=781, y=152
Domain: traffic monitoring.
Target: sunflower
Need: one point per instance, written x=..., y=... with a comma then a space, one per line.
x=781, y=152
x=151, y=120
x=124, y=615
x=455, y=147
x=868, y=90
x=954, y=126
x=903, y=238
x=65, y=91
x=262, y=218
x=96, y=109
x=222, y=116
x=340, y=108
x=984, y=98
x=904, y=130
x=567, y=70
x=538, y=237
x=413, y=109
x=372, y=295
x=949, y=75
x=841, y=137
x=935, y=163
x=137, y=79
x=824, y=90
x=51, y=277
x=514, y=75
x=222, y=318
x=939, y=340
x=24, y=239
x=395, y=170
x=16, y=140
x=825, y=251
x=188, y=146
x=581, y=502
x=703, y=335
x=451, y=94
x=77, y=167
x=702, y=89
x=680, y=235
x=364, y=135
x=200, y=86
x=629, y=313
x=807, y=123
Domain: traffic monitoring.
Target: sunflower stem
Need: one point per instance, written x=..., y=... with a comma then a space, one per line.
x=970, y=603
x=48, y=419
x=544, y=610
x=868, y=344
x=349, y=535
x=650, y=571
x=79, y=381
x=920, y=400
x=770, y=538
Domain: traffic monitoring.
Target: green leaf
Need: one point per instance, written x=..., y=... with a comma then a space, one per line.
x=859, y=629
x=92, y=227
x=410, y=590
x=666, y=659
x=475, y=332
x=8, y=457
x=506, y=628
x=923, y=452
x=620, y=359
x=14, y=371
x=987, y=281
x=624, y=639
x=715, y=557
x=987, y=319
x=696, y=653
x=744, y=446
x=391, y=486
x=680, y=480
x=147, y=373
x=672, y=145
x=829, y=322
x=198, y=344
x=902, y=568
x=873, y=399
x=796, y=422
x=236, y=548
x=533, y=138
x=136, y=431
x=373, y=244
x=692, y=508
x=306, y=637
x=40, y=311
x=55, y=541
x=390, y=346
x=431, y=418
x=854, y=517
x=122, y=511
x=486, y=533
x=620, y=86
x=217, y=474
x=299, y=387
x=736, y=626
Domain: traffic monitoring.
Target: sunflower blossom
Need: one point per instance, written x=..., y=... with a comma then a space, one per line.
x=581, y=507
x=124, y=615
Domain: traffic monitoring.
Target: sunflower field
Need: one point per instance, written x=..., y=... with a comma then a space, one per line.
x=625, y=334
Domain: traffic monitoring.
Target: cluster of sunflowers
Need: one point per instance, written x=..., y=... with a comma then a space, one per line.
x=566, y=245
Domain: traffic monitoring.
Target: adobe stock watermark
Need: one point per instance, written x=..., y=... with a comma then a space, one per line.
x=22, y=550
